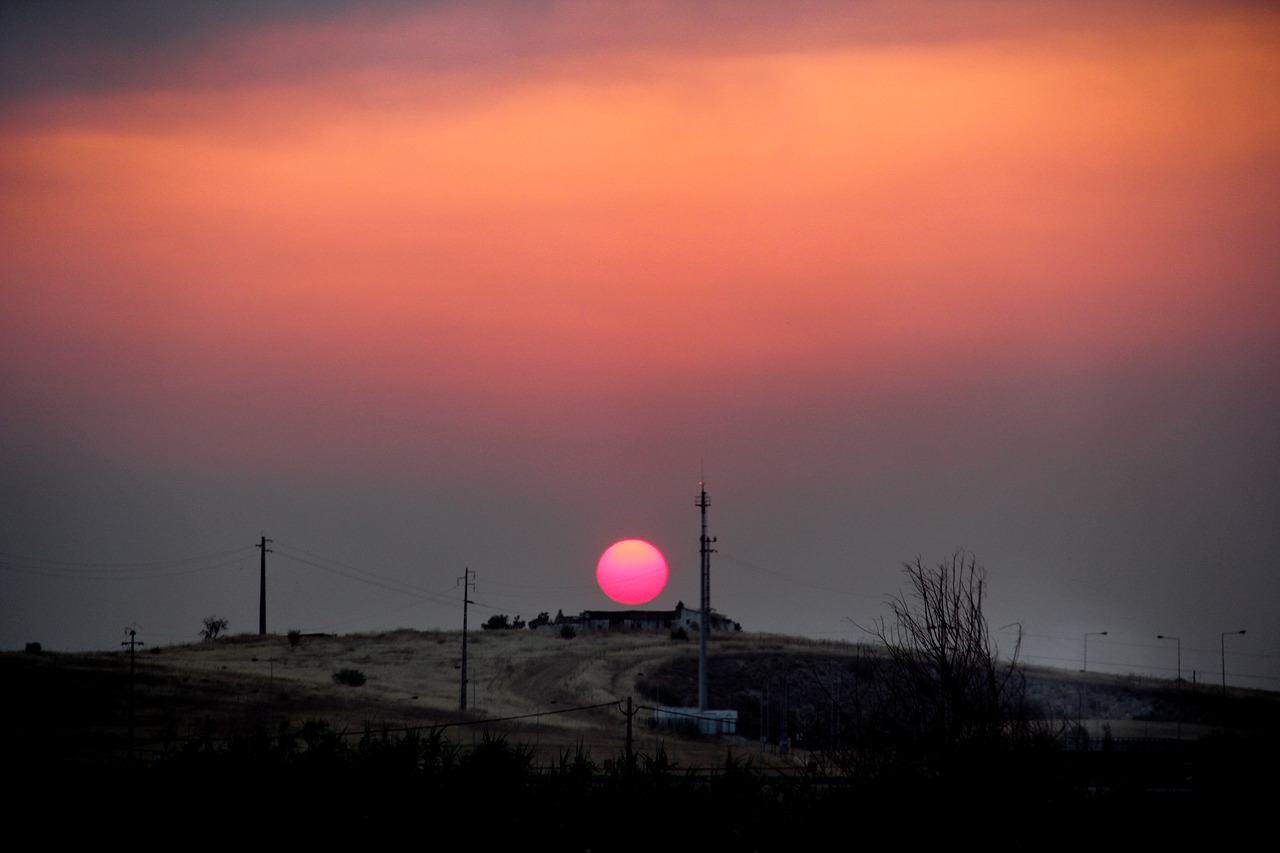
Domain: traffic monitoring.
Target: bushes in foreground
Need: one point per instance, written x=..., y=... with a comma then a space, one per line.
x=384, y=779
x=350, y=677
x=328, y=787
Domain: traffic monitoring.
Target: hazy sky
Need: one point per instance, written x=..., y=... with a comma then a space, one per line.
x=416, y=287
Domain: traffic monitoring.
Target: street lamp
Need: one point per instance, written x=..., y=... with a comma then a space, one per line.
x=1224, y=658
x=1086, y=646
x=1179, y=642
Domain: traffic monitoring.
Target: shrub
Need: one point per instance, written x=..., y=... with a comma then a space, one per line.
x=568, y=633
x=213, y=626
x=349, y=677
x=295, y=637
x=34, y=648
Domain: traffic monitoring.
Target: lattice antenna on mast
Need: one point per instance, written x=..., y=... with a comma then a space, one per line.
x=704, y=624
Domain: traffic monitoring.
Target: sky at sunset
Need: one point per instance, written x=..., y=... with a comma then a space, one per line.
x=411, y=288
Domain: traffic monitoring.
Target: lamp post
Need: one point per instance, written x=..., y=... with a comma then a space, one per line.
x=763, y=729
x=1086, y=646
x=1224, y=658
x=1179, y=642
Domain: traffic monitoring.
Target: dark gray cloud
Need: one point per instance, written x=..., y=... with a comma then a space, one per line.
x=94, y=47
x=82, y=46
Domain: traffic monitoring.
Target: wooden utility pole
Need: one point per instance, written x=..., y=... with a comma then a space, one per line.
x=467, y=581
x=630, y=755
x=262, y=589
x=132, y=643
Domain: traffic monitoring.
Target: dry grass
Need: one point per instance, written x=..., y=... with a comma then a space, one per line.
x=536, y=688
x=552, y=694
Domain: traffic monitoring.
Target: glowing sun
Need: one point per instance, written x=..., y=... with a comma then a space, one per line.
x=632, y=571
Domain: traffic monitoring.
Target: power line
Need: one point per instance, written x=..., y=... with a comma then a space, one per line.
x=365, y=577
x=130, y=565
x=71, y=570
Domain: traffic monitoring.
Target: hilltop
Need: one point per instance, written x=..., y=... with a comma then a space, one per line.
x=534, y=687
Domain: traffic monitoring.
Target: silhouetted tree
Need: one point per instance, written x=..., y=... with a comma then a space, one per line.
x=942, y=653
x=539, y=620
x=213, y=626
x=942, y=694
x=498, y=621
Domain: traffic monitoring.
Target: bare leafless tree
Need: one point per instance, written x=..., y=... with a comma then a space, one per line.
x=942, y=689
x=943, y=654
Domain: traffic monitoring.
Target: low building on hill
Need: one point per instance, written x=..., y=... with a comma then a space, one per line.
x=689, y=619
x=691, y=719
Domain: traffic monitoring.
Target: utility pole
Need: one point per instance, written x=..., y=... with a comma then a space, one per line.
x=784, y=737
x=630, y=755
x=262, y=589
x=1224, y=659
x=468, y=582
x=704, y=625
x=131, y=643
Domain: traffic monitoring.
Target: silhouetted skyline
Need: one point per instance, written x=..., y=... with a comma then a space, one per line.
x=415, y=288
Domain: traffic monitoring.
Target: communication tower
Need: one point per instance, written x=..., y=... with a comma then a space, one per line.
x=704, y=626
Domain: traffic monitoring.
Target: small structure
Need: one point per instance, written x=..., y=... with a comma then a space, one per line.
x=640, y=620
x=703, y=722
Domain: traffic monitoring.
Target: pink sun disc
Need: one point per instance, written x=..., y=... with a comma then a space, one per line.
x=632, y=571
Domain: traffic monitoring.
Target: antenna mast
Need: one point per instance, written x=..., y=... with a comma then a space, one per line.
x=704, y=625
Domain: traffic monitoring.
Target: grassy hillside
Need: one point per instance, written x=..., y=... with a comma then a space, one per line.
x=248, y=734
x=534, y=687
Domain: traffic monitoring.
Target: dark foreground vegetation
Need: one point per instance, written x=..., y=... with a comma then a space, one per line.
x=312, y=784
